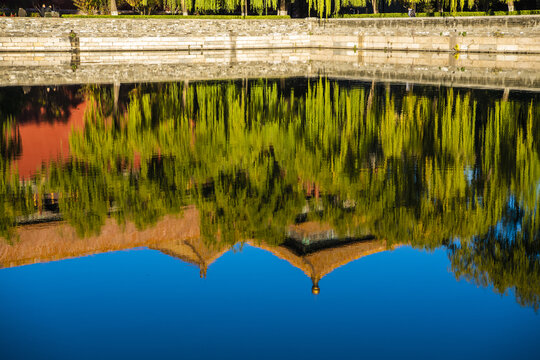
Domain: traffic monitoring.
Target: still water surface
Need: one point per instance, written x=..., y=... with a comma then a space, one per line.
x=307, y=218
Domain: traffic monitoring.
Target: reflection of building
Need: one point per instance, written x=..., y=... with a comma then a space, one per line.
x=314, y=248
x=193, y=251
x=57, y=240
x=320, y=263
x=44, y=141
x=180, y=237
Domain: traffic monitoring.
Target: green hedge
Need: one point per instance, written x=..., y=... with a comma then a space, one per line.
x=380, y=15
x=179, y=16
x=444, y=14
x=519, y=12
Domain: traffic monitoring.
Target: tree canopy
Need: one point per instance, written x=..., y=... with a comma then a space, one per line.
x=322, y=8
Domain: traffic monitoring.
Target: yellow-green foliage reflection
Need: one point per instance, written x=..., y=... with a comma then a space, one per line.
x=428, y=168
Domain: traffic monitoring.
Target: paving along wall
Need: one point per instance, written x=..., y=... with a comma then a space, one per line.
x=499, y=71
x=493, y=34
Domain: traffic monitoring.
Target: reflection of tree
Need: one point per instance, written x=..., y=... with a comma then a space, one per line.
x=12, y=195
x=10, y=140
x=428, y=168
x=50, y=104
x=38, y=103
x=508, y=254
x=34, y=104
x=15, y=200
x=506, y=257
x=10, y=103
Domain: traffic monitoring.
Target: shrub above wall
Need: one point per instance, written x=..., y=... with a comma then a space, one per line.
x=349, y=16
x=28, y=4
x=444, y=14
x=300, y=8
x=211, y=17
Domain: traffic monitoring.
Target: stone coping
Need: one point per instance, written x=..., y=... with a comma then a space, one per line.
x=496, y=71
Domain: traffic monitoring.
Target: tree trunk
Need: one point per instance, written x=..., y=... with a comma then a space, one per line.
x=371, y=95
x=114, y=10
x=506, y=93
x=184, y=93
x=511, y=5
x=485, y=5
x=375, y=6
x=184, y=8
x=116, y=94
x=282, y=8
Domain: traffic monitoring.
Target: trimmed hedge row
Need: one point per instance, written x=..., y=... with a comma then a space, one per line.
x=444, y=14
x=380, y=15
x=180, y=16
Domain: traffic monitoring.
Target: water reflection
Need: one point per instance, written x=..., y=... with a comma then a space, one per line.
x=316, y=171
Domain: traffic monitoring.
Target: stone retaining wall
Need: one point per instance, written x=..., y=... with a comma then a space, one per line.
x=509, y=71
x=494, y=34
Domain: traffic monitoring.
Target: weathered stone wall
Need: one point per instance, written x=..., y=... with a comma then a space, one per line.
x=512, y=71
x=508, y=34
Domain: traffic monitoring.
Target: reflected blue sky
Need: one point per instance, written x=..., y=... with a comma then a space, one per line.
x=142, y=304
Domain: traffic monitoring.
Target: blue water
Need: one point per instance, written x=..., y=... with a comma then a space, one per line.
x=142, y=304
